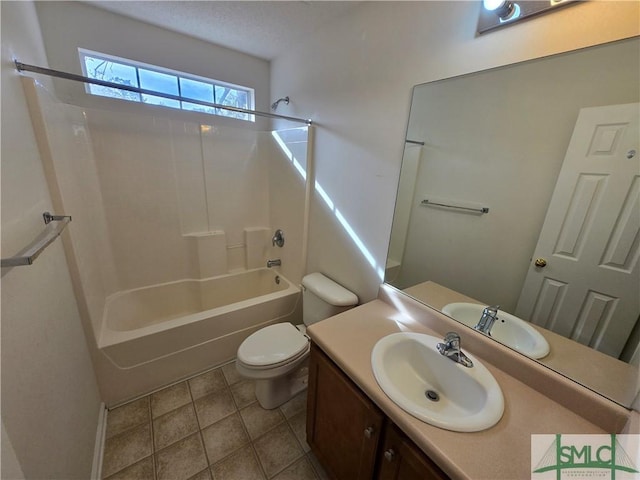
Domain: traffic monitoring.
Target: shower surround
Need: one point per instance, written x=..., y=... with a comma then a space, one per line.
x=162, y=197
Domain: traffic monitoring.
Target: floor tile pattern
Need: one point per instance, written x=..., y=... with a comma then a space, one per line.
x=209, y=427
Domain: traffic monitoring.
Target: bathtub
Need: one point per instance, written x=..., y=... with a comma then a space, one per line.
x=146, y=324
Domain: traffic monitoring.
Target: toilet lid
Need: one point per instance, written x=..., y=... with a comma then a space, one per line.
x=271, y=345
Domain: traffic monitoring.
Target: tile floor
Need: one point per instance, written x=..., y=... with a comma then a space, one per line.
x=208, y=427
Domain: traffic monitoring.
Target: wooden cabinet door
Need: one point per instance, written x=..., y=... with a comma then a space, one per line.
x=343, y=425
x=401, y=459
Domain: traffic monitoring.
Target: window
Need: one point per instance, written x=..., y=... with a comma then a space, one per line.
x=127, y=72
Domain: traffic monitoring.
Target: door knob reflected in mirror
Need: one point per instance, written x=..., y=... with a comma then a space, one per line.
x=540, y=262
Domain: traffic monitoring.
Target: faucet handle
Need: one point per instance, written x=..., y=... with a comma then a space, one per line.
x=450, y=344
x=491, y=310
x=452, y=338
x=451, y=348
x=278, y=238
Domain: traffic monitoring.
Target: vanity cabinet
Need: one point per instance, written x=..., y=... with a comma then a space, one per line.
x=343, y=425
x=351, y=436
x=401, y=459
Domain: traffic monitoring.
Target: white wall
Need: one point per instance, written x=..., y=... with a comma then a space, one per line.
x=10, y=466
x=354, y=78
x=66, y=26
x=50, y=401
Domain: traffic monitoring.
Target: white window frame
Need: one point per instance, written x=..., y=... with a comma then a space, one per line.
x=250, y=92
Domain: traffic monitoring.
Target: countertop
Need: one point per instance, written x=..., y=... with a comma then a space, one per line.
x=501, y=452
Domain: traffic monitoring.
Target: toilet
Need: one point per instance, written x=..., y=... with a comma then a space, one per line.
x=276, y=356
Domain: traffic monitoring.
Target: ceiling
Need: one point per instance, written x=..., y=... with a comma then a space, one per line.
x=264, y=29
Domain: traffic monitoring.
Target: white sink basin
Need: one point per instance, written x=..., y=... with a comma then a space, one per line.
x=508, y=329
x=407, y=365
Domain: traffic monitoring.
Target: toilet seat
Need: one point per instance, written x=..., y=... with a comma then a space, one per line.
x=273, y=346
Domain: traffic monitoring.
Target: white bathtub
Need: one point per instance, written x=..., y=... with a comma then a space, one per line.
x=146, y=324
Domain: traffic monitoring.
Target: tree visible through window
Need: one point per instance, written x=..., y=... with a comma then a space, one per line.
x=127, y=72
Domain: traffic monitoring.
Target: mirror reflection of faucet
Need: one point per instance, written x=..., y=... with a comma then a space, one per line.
x=276, y=262
x=488, y=318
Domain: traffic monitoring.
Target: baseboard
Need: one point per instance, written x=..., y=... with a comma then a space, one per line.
x=98, y=449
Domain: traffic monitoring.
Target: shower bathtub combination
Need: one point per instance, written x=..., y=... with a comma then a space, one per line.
x=149, y=323
x=172, y=229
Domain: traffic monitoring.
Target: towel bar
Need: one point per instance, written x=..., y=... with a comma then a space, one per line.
x=428, y=202
x=27, y=255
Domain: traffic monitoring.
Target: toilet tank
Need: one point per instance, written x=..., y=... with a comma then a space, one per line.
x=323, y=298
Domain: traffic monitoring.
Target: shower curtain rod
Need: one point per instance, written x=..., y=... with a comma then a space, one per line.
x=79, y=78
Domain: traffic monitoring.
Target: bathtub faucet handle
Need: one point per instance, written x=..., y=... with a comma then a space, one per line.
x=278, y=238
x=274, y=263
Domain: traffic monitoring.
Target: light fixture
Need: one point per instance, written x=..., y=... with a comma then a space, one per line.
x=502, y=8
x=497, y=13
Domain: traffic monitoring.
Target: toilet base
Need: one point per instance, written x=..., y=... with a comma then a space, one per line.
x=272, y=393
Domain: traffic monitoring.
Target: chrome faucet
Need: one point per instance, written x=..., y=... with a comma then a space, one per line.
x=274, y=263
x=450, y=348
x=489, y=316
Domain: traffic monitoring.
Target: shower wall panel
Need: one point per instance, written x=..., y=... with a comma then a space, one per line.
x=155, y=199
x=168, y=183
x=189, y=173
x=288, y=170
x=134, y=156
x=72, y=176
x=237, y=193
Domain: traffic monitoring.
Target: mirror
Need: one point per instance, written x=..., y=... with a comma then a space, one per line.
x=503, y=140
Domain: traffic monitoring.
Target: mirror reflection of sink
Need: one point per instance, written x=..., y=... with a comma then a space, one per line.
x=434, y=388
x=508, y=329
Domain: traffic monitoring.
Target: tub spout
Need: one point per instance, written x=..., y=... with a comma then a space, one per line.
x=274, y=263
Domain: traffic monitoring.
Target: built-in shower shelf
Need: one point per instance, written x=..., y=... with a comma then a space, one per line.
x=55, y=225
